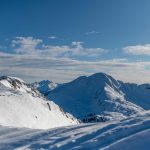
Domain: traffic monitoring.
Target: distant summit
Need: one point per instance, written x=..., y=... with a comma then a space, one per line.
x=45, y=86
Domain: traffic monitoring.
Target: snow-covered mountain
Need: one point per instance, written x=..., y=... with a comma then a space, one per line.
x=94, y=98
x=45, y=86
x=23, y=106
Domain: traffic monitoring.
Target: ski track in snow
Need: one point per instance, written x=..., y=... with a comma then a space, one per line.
x=132, y=133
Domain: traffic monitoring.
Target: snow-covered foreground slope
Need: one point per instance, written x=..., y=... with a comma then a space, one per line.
x=129, y=134
x=94, y=98
x=22, y=106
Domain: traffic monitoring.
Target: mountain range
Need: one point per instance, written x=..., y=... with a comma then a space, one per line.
x=90, y=112
x=45, y=104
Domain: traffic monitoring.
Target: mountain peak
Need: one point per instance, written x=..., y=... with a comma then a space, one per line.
x=99, y=74
x=18, y=84
x=9, y=78
x=97, y=79
x=103, y=78
x=11, y=82
x=45, y=82
x=45, y=86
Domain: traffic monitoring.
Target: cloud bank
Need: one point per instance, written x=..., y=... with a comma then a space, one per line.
x=33, y=60
x=138, y=49
x=31, y=46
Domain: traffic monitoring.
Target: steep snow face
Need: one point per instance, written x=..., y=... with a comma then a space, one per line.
x=132, y=133
x=45, y=86
x=138, y=94
x=18, y=84
x=94, y=98
x=21, y=108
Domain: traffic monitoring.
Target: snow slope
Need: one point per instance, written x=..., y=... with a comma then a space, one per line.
x=129, y=134
x=94, y=98
x=138, y=94
x=23, y=106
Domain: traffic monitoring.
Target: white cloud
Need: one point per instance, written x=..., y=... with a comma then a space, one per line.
x=25, y=45
x=138, y=49
x=91, y=32
x=52, y=37
x=32, y=46
x=34, y=60
x=77, y=44
x=33, y=68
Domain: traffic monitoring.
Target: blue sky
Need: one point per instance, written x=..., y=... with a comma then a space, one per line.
x=60, y=40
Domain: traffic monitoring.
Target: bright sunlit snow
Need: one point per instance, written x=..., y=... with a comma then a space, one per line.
x=130, y=134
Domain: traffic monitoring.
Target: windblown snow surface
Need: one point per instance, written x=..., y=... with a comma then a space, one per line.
x=129, y=134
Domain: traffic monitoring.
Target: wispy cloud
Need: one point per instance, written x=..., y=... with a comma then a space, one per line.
x=138, y=49
x=91, y=32
x=65, y=69
x=33, y=60
x=32, y=46
x=76, y=49
x=25, y=45
x=52, y=37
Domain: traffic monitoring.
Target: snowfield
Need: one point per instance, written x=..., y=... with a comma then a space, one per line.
x=129, y=134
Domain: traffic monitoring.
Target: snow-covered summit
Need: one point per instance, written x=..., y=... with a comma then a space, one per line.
x=45, y=86
x=97, y=96
x=18, y=84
